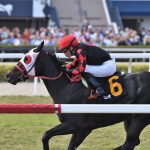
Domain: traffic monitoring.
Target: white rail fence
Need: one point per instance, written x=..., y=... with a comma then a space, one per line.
x=105, y=108
x=129, y=56
x=75, y=108
x=128, y=50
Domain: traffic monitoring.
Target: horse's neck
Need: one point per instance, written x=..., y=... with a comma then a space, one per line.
x=63, y=91
x=56, y=87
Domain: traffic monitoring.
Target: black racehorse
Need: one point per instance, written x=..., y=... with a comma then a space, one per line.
x=45, y=65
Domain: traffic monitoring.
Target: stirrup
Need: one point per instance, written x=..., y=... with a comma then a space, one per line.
x=100, y=92
x=93, y=95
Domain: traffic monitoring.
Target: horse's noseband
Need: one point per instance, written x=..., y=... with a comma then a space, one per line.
x=23, y=73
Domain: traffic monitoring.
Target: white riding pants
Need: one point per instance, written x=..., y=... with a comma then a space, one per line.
x=108, y=68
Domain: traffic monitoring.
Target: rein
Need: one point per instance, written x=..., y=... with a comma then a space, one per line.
x=47, y=78
x=43, y=77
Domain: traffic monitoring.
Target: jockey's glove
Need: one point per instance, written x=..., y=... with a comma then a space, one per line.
x=66, y=71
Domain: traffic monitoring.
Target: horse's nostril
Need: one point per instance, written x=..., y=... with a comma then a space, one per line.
x=8, y=77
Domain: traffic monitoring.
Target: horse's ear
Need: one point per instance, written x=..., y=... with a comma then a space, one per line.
x=39, y=47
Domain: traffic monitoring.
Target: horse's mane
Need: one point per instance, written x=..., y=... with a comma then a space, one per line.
x=57, y=62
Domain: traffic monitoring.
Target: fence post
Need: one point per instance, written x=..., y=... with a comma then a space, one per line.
x=36, y=87
x=130, y=65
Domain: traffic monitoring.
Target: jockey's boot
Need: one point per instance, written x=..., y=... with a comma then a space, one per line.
x=99, y=91
x=92, y=82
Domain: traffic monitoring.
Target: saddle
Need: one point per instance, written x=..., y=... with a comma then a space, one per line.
x=115, y=90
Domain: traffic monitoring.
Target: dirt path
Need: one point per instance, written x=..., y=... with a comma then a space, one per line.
x=24, y=89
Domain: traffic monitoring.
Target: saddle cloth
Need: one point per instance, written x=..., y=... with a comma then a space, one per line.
x=115, y=91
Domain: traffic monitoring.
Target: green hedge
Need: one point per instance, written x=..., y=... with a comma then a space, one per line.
x=3, y=70
x=135, y=67
x=122, y=67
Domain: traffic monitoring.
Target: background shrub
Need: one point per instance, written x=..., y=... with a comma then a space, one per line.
x=123, y=67
x=3, y=70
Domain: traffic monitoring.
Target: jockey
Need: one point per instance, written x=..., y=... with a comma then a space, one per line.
x=90, y=62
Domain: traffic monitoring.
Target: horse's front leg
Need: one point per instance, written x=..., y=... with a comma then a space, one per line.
x=77, y=138
x=61, y=129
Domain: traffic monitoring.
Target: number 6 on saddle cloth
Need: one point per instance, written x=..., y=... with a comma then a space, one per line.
x=115, y=91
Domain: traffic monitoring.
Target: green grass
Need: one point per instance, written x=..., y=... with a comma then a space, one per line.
x=24, y=131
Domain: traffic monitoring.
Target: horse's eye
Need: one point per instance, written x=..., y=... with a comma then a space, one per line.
x=51, y=53
x=27, y=59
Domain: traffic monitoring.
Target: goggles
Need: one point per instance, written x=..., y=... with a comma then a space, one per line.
x=68, y=48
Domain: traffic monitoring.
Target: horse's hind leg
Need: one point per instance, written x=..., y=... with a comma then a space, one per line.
x=62, y=129
x=137, y=124
x=78, y=138
x=126, y=127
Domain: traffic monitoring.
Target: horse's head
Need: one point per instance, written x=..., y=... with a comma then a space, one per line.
x=36, y=62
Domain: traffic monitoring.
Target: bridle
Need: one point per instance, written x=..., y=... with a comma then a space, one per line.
x=24, y=73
